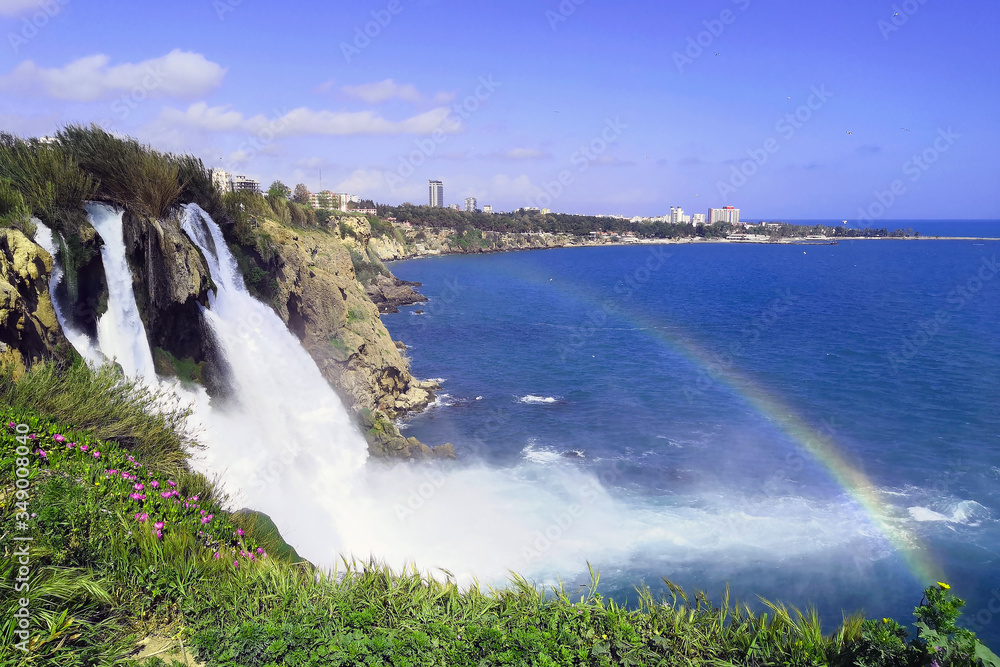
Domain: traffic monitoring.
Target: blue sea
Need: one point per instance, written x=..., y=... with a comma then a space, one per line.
x=724, y=388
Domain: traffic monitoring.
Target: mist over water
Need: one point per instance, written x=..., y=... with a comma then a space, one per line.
x=283, y=444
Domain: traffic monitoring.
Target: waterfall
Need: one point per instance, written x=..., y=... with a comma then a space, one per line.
x=121, y=334
x=284, y=444
x=79, y=340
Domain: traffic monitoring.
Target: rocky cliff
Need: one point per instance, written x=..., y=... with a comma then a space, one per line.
x=409, y=242
x=29, y=330
x=314, y=287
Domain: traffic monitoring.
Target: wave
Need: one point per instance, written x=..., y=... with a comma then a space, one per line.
x=531, y=399
x=965, y=513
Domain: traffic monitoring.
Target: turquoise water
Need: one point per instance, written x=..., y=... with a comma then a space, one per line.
x=644, y=367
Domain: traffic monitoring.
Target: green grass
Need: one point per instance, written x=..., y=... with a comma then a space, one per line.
x=112, y=562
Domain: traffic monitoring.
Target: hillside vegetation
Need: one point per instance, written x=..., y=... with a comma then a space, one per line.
x=127, y=545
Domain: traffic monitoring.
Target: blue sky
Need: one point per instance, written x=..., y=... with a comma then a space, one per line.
x=583, y=106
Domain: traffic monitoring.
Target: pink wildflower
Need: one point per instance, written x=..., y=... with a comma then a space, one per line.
x=138, y=486
x=41, y=452
x=32, y=436
x=141, y=517
x=171, y=483
x=260, y=550
x=97, y=455
x=239, y=531
x=59, y=438
x=158, y=525
x=11, y=424
x=83, y=448
x=154, y=484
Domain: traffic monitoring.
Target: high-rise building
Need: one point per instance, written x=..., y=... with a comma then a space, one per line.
x=222, y=181
x=488, y=208
x=726, y=214
x=326, y=200
x=470, y=204
x=241, y=182
x=436, y=193
x=454, y=207
x=698, y=219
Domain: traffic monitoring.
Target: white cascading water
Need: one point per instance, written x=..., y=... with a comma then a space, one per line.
x=284, y=445
x=121, y=334
x=79, y=340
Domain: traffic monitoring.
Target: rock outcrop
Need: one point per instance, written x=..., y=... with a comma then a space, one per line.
x=29, y=330
x=171, y=280
x=389, y=293
x=316, y=292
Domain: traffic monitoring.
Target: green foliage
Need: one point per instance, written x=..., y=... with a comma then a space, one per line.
x=129, y=174
x=51, y=184
x=301, y=194
x=365, y=271
x=13, y=211
x=279, y=189
x=940, y=639
x=106, y=403
x=186, y=370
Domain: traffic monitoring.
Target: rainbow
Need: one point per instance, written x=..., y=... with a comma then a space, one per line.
x=820, y=444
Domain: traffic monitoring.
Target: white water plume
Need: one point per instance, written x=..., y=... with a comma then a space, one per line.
x=285, y=445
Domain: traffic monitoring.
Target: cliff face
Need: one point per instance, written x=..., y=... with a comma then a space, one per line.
x=171, y=281
x=317, y=293
x=428, y=241
x=29, y=330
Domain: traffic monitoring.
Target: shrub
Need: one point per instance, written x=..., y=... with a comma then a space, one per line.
x=13, y=211
x=130, y=174
x=51, y=184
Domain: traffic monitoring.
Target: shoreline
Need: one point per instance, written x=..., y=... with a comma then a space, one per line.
x=800, y=241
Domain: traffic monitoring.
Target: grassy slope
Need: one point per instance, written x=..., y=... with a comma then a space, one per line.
x=102, y=577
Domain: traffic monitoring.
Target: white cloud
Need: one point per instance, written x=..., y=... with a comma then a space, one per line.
x=362, y=181
x=177, y=74
x=305, y=121
x=523, y=154
x=520, y=187
x=17, y=7
x=383, y=91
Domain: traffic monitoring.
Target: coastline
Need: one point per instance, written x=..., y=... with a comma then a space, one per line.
x=802, y=241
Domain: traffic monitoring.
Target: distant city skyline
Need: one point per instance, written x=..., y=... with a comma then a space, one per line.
x=782, y=109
